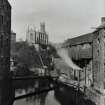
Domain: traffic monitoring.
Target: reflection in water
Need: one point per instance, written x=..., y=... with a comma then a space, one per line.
x=50, y=99
x=61, y=96
x=25, y=87
x=36, y=100
x=42, y=99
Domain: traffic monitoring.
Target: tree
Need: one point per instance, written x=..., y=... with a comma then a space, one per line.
x=26, y=57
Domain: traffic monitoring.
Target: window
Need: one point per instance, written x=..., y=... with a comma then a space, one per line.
x=35, y=37
x=98, y=41
x=104, y=85
x=39, y=37
x=31, y=36
x=98, y=52
x=1, y=19
x=104, y=71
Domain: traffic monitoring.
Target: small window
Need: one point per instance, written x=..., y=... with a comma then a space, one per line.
x=1, y=19
x=104, y=85
x=98, y=52
x=98, y=40
x=31, y=36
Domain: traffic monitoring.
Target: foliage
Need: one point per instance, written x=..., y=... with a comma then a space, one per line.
x=27, y=54
x=26, y=57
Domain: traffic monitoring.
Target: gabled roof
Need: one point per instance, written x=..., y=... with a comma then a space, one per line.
x=87, y=38
x=100, y=27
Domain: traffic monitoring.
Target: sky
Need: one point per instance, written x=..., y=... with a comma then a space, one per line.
x=63, y=18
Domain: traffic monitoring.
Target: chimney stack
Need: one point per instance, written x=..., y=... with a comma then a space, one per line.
x=102, y=20
x=42, y=27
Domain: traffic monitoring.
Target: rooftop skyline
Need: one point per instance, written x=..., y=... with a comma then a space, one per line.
x=64, y=18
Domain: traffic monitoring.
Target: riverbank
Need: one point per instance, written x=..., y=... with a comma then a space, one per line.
x=67, y=95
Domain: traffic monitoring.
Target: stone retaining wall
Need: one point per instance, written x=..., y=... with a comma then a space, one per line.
x=95, y=96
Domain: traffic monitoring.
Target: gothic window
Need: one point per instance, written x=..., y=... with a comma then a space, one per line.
x=104, y=39
x=104, y=85
x=2, y=1
x=98, y=52
x=35, y=37
x=31, y=36
x=1, y=19
x=39, y=37
x=104, y=70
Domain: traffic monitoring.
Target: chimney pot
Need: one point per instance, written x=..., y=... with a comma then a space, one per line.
x=102, y=20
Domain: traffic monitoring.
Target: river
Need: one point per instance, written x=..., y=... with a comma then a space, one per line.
x=62, y=96
x=43, y=99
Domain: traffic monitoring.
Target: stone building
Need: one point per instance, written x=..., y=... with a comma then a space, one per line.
x=88, y=51
x=5, y=34
x=80, y=51
x=13, y=37
x=37, y=37
x=80, y=48
x=6, y=94
x=98, y=93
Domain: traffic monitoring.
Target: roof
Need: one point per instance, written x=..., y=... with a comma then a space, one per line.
x=87, y=38
x=100, y=27
x=79, y=53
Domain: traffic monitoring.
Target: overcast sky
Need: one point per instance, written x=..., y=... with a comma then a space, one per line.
x=64, y=18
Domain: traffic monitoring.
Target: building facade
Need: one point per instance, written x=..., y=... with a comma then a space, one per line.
x=80, y=51
x=97, y=93
x=89, y=53
x=5, y=36
x=37, y=37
